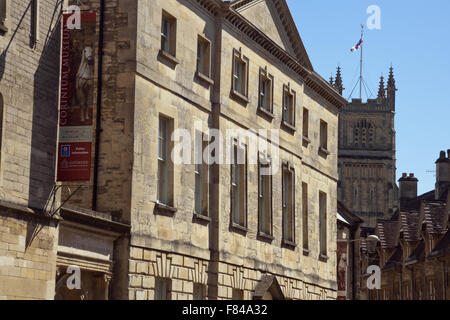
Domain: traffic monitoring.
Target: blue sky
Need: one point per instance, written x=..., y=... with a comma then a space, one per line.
x=415, y=38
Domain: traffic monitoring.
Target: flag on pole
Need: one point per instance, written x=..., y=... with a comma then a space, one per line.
x=356, y=47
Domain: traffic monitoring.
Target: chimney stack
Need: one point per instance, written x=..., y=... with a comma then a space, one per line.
x=442, y=173
x=408, y=188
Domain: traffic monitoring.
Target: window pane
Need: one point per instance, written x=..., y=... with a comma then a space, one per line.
x=305, y=123
x=238, y=294
x=162, y=291
x=199, y=291
x=323, y=134
x=239, y=185
x=239, y=76
x=162, y=161
x=165, y=34
x=305, y=214
x=323, y=222
x=200, y=57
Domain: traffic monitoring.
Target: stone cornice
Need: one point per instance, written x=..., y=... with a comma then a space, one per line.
x=306, y=72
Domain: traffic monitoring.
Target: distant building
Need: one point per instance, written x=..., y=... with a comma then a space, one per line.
x=348, y=253
x=414, y=252
x=144, y=227
x=367, y=161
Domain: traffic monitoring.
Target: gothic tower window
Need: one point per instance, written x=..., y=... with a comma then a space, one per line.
x=356, y=140
x=371, y=134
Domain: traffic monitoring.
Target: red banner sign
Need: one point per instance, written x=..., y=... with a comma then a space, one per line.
x=76, y=100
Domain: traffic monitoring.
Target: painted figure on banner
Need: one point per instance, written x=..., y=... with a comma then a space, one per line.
x=84, y=82
x=82, y=62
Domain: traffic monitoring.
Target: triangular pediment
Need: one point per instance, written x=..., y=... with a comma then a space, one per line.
x=274, y=19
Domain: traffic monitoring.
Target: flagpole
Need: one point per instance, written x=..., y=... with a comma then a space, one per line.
x=361, y=63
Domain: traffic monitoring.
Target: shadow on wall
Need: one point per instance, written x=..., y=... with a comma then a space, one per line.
x=45, y=117
x=5, y=52
x=45, y=109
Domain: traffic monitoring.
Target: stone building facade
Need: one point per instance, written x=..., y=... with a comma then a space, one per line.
x=38, y=242
x=28, y=117
x=146, y=227
x=179, y=252
x=414, y=252
x=367, y=159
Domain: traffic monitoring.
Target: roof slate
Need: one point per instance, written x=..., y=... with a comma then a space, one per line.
x=410, y=225
x=434, y=215
x=388, y=233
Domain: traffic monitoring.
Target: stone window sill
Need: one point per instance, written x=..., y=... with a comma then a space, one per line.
x=3, y=28
x=239, y=96
x=201, y=218
x=289, y=126
x=166, y=210
x=306, y=141
x=289, y=244
x=265, y=237
x=238, y=228
x=168, y=57
x=266, y=113
x=305, y=252
x=324, y=152
x=323, y=258
x=204, y=78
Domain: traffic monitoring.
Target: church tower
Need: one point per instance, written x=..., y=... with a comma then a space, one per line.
x=367, y=161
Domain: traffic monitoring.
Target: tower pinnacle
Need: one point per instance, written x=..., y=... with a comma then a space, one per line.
x=338, y=85
x=391, y=88
x=381, y=90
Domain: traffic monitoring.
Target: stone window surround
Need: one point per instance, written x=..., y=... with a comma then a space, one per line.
x=160, y=207
x=265, y=76
x=262, y=235
x=233, y=225
x=323, y=149
x=305, y=223
x=170, y=54
x=289, y=91
x=238, y=56
x=288, y=243
x=203, y=216
x=323, y=226
x=204, y=77
x=306, y=139
x=35, y=31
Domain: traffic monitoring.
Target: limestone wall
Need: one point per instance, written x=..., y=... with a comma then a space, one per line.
x=28, y=247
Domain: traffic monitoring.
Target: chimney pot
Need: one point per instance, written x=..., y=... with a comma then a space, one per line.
x=448, y=153
x=404, y=175
x=442, y=156
x=411, y=175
